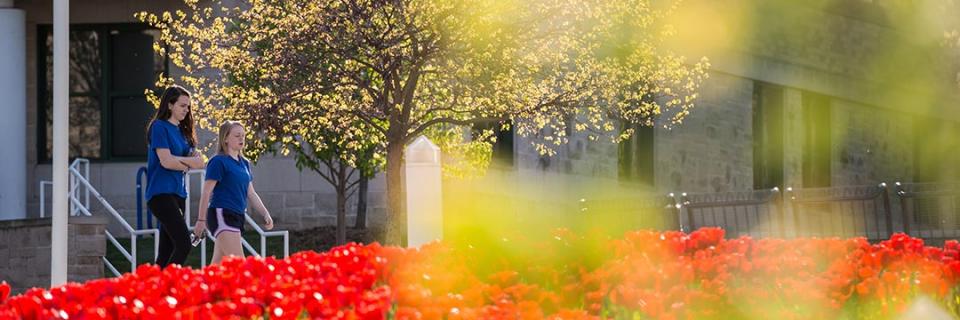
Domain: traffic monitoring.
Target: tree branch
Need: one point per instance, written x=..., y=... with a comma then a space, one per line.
x=363, y=117
x=426, y=125
x=352, y=171
x=331, y=172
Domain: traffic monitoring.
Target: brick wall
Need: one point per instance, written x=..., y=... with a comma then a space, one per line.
x=712, y=151
x=25, y=251
x=579, y=157
x=870, y=145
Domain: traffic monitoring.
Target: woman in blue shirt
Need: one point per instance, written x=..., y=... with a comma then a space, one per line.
x=227, y=186
x=171, y=141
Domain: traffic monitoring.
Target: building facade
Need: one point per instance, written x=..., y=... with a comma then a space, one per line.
x=799, y=95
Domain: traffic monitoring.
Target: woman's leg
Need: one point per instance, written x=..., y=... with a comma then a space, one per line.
x=181, y=235
x=228, y=244
x=175, y=238
x=165, y=248
x=217, y=252
x=161, y=205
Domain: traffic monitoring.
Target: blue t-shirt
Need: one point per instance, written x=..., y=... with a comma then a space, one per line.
x=160, y=180
x=233, y=178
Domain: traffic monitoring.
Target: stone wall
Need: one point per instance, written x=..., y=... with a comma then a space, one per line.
x=870, y=145
x=712, y=151
x=579, y=157
x=25, y=251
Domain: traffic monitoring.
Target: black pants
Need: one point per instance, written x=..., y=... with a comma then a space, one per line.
x=174, y=234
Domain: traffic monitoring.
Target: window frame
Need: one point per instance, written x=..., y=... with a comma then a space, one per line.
x=105, y=96
x=643, y=136
x=768, y=138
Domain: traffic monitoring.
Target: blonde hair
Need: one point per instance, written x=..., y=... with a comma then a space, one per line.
x=225, y=129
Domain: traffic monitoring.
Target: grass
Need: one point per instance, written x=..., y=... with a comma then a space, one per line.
x=145, y=252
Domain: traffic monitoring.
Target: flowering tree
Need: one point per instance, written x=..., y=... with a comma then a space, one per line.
x=382, y=72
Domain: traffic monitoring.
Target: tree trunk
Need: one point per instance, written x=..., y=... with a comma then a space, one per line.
x=396, y=232
x=363, y=185
x=341, y=204
x=341, y=219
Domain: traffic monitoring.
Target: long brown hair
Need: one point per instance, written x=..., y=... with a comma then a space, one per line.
x=169, y=97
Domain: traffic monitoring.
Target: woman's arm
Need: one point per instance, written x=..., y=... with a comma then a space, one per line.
x=205, y=193
x=258, y=204
x=194, y=161
x=169, y=161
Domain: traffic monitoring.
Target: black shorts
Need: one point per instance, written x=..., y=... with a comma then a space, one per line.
x=220, y=220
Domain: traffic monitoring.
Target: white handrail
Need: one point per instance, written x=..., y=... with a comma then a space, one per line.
x=79, y=180
x=130, y=255
x=74, y=187
x=264, y=234
x=80, y=208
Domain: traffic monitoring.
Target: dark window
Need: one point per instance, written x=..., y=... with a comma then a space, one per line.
x=817, y=141
x=110, y=66
x=931, y=149
x=503, y=146
x=767, y=136
x=635, y=155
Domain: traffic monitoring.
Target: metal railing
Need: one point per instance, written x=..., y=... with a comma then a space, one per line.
x=140, y=190
x=930, y=210
x=835, y=211
x=80, y=180
x=74, y=188
x=754, y=213
x=842, y=211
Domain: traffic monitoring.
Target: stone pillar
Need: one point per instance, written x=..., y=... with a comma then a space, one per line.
x=13, y=106
x=424, y=199
x=792, y=152
x=792, y=138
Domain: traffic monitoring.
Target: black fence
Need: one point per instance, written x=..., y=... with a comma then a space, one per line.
x=842, y=212
x=754, y=213
x=925, y=210
x=930, y=210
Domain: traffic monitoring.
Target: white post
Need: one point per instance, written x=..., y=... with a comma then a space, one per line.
x=424, y=205
x=61, y=109
x=13, y=90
